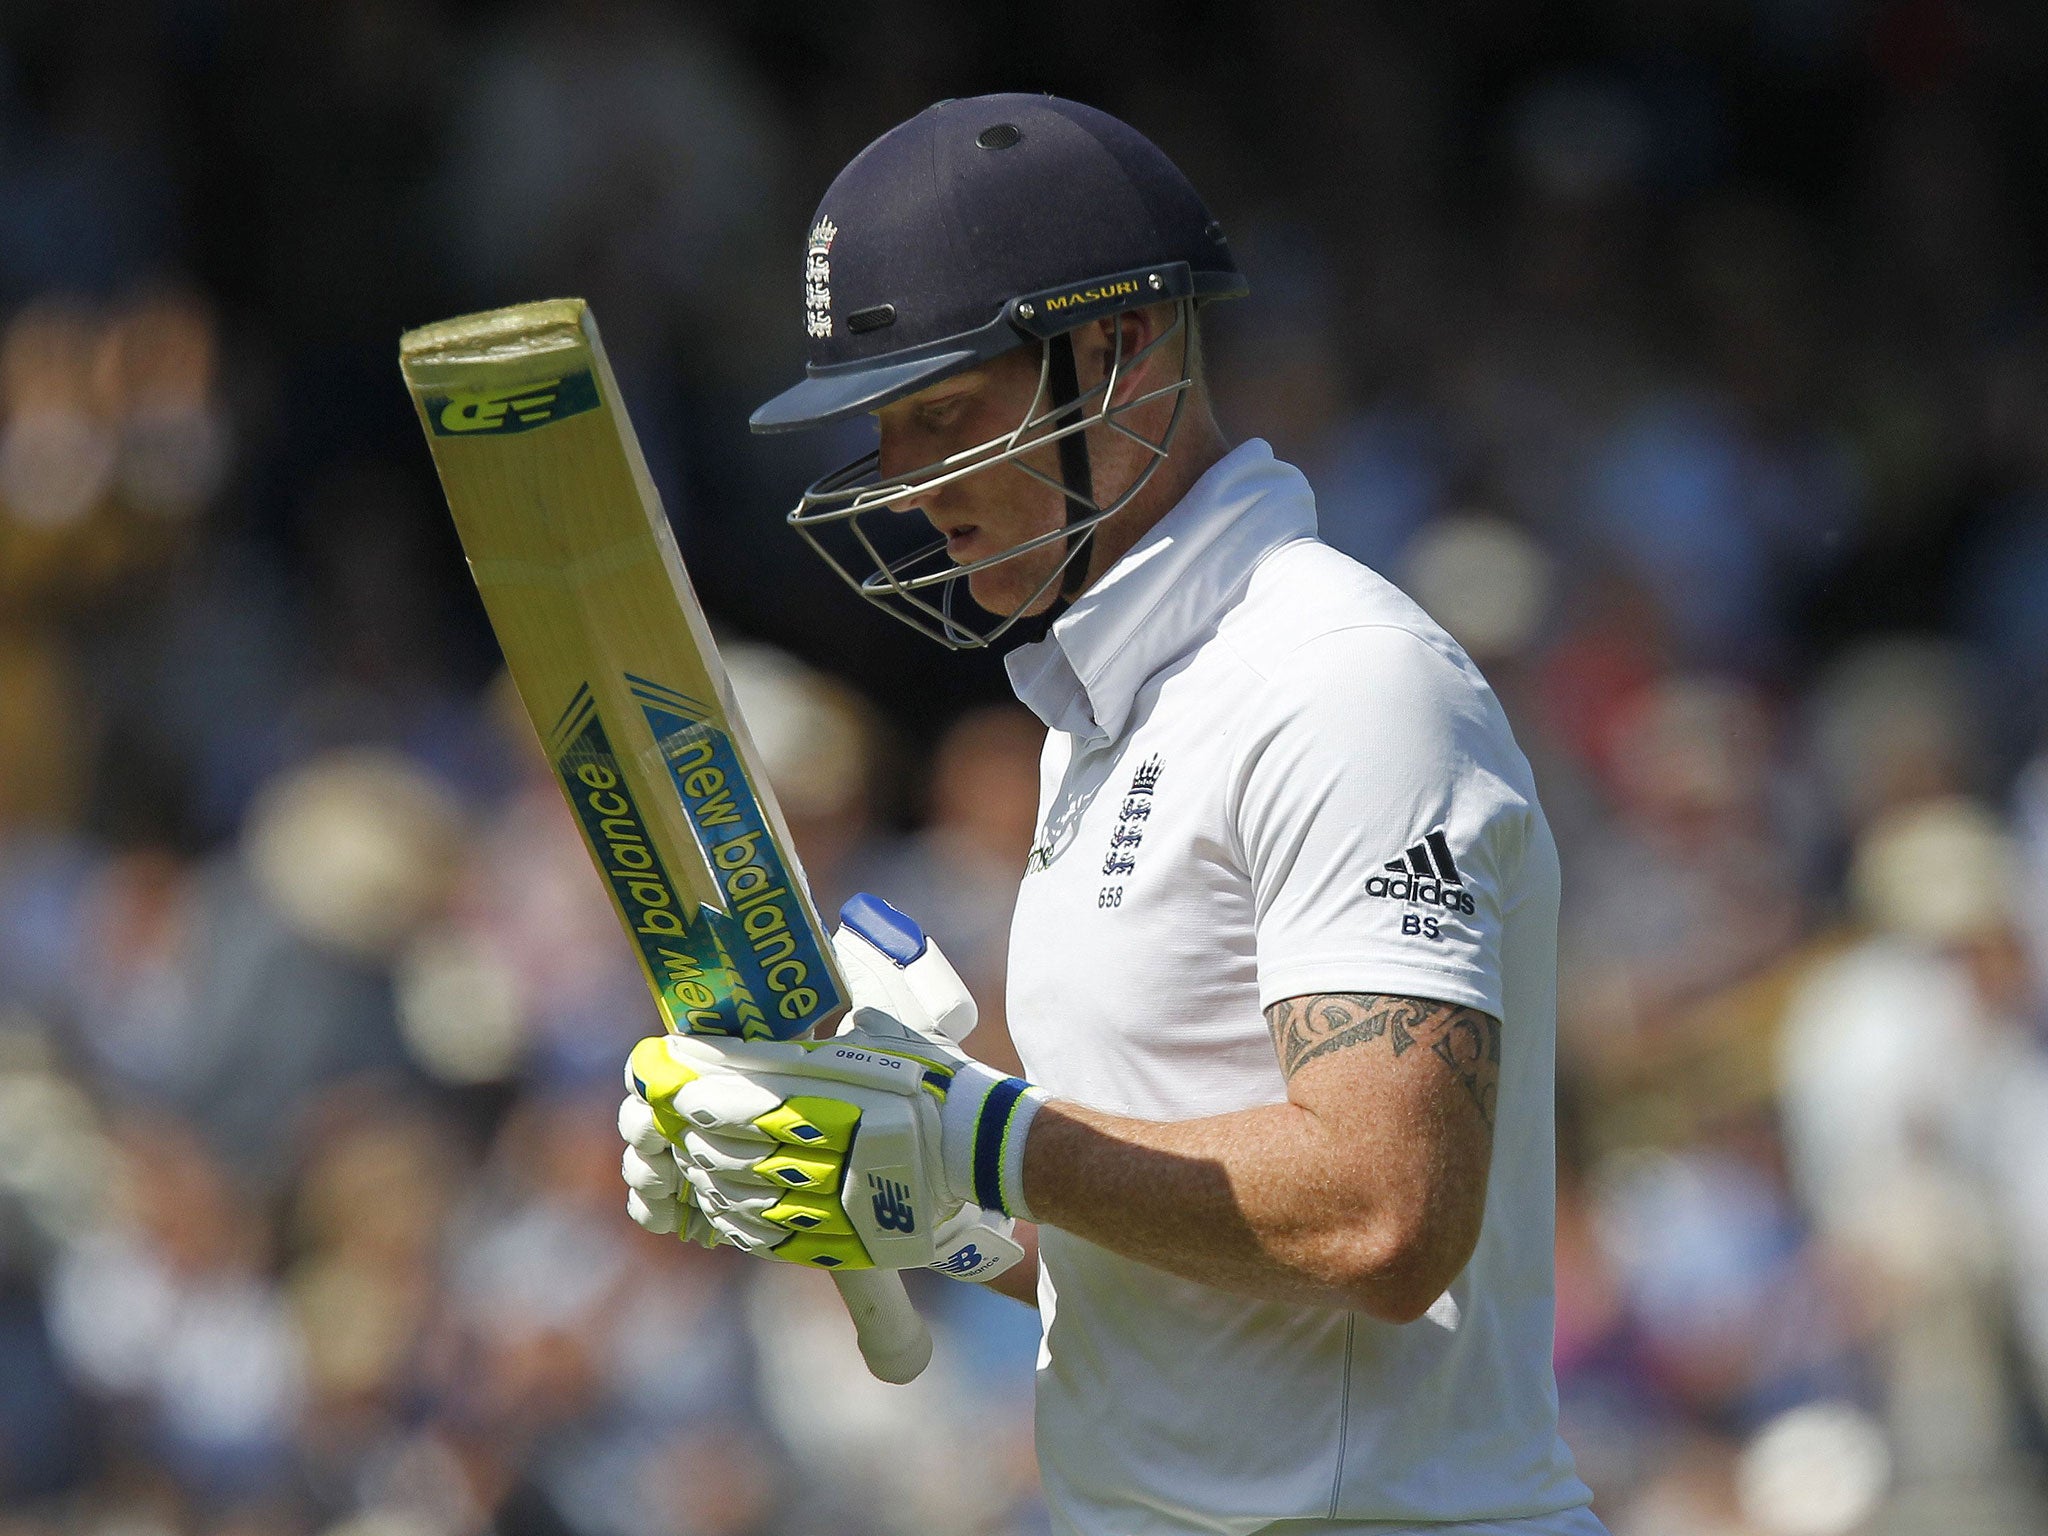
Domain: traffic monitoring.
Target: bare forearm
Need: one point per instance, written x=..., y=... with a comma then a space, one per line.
x=1363, y=1190
x=1218, y=1200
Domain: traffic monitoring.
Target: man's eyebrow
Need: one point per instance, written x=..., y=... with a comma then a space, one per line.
x=944, y=392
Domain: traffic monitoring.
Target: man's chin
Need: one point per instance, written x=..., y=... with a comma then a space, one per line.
x=1005, y=594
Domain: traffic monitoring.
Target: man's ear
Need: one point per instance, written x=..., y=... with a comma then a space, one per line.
x=1096, y=348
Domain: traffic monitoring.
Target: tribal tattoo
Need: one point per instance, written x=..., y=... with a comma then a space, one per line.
x=1464, y=1039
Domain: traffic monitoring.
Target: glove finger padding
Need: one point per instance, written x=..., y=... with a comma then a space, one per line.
x=721, y=1154
x=792, y=1211
x=796, y=1228
x=656, y=1177
x=781, y=1157
x=894, y=966
x=836, y=1153
x=637, y=1128
x=825, y=1154
x=737, y=1109
x=659, y=1216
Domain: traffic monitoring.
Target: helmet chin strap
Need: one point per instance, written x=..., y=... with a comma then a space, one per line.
x=1064, y=384
x=1063, y=388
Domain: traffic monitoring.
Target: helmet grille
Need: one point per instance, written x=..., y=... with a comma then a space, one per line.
x=999, y=136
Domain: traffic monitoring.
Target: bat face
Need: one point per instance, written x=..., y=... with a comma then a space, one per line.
x=616, y=666
x=753, y=969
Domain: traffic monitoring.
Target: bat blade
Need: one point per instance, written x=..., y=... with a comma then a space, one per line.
x=616, y=665
x=617, y=668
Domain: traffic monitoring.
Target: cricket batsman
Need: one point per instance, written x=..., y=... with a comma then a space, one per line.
x=1283, y=969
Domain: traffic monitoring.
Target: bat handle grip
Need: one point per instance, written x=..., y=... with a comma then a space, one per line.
x=893, y=1339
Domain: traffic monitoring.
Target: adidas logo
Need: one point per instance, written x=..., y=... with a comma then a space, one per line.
x=1426, y=875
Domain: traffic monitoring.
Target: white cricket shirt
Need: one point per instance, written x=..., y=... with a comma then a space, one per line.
x=1269, y=773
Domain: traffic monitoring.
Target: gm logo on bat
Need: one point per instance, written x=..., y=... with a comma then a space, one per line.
x=519, y=408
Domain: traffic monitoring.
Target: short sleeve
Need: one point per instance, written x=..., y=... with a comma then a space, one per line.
x=1376, y=808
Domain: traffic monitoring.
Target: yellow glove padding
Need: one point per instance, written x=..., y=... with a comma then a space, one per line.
x=827, y=1153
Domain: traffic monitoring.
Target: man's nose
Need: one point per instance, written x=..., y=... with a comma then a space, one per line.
x=895, y=458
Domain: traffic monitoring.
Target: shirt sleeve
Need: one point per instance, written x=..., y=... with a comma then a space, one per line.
x=1375, y=809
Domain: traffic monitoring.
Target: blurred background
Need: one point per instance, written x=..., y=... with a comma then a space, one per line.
x=1687, y=359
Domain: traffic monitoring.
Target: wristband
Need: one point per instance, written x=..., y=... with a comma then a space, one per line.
x=985, y=1122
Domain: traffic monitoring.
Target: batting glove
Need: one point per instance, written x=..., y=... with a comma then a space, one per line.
x=882, y=1146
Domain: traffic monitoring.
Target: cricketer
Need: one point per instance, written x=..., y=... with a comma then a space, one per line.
x=1283, y=968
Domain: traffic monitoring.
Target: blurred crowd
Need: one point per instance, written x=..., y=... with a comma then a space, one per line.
x=1688, y=362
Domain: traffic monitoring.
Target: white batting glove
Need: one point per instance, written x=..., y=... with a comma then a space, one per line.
x=883, y=1146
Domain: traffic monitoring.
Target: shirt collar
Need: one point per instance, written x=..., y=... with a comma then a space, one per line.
x=1153, y=603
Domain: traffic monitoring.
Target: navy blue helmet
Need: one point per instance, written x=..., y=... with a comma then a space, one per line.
x=980, y=225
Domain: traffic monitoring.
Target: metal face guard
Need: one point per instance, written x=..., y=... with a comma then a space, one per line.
x=921, y=586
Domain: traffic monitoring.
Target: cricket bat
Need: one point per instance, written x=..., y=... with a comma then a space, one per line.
x=615, y=663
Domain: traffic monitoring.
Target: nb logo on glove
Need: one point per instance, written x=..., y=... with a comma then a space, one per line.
x=965, y=1262
x=893, y=1211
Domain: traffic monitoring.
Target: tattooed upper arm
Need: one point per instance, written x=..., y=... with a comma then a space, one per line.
x=1465, y=1040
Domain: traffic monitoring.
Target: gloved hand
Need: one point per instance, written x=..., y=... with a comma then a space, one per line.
x=884, y=1145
